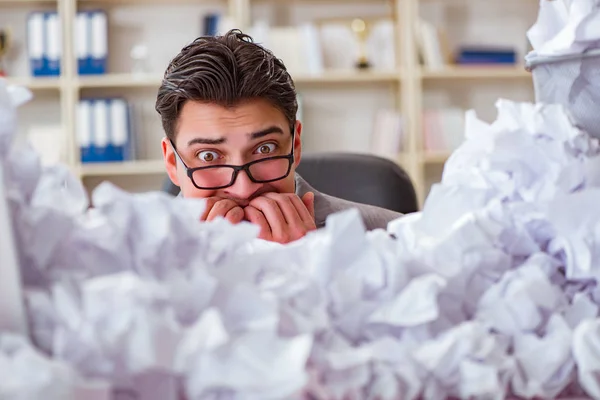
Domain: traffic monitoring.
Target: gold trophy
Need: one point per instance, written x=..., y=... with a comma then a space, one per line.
x=4, y=45
x=361, y=32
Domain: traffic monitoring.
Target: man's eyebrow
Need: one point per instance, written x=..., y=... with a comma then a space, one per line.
x=265, y=132
x=252, y=136
x=200, y=140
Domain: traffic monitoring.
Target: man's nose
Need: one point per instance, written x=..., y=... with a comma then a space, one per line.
x=243, y=188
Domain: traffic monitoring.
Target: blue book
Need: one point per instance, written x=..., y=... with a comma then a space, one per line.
x=211, y=24
x=474, y=55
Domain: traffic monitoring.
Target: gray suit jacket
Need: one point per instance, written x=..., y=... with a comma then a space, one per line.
x=373, y=217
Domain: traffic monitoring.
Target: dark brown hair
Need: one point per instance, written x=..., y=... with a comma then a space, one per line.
x=224, y=70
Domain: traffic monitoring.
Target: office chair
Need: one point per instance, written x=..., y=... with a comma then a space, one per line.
x=362, y=178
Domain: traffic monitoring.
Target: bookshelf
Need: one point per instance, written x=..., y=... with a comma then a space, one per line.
x=338, y=104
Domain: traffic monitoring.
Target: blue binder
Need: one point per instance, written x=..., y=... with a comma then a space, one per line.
x=104, y=130
x=92, y=42
x=36, y=43
x=53, y=44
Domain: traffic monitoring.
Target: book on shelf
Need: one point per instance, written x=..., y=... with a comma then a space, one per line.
x=388, y=134
x=485, y=55
x=443, y=129
x=215, y=23
x=297, y=46
x=210, y=24
x=432, y=45
x=104, y=130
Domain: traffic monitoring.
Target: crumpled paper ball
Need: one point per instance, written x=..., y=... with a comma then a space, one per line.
x=565, y=27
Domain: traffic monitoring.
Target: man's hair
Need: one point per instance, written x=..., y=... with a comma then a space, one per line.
x=224, y=70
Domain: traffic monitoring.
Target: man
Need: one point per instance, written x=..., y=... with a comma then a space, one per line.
x=228, y=107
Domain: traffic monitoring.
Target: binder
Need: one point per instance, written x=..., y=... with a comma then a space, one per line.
x=82, y=43
x=104, y=130
x=119, y=133
x=84, y=133
x=99, y=42
x=91, y=42
x=99, y=128
x=53, y=45
x=35, y=43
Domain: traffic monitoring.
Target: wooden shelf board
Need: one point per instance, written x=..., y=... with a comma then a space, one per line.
x=26, y=2
x=347, y=76
x=33, y=83
x=118, y=81
x=154, y=80
x=138, y=167
x=476, y=72
x=144, y=2
x=435, y=157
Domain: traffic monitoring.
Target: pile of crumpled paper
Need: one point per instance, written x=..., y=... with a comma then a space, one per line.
x=491, y=291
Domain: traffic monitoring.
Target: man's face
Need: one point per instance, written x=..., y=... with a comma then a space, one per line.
x=209, y=134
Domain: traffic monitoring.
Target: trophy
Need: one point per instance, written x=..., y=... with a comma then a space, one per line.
x=361, y=32
x=4, y=45
x=139, y=59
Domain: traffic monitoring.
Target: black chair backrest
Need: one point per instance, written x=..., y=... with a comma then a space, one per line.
x=362, y=178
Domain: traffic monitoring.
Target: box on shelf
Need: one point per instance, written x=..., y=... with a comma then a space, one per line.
x=104, y=130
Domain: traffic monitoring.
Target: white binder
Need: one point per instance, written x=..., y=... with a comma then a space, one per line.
x=118, y=119
x=84, y=133
x=100, y=133
x=82, y=42
x=35, y=43
x=99, y=41
x=53, y=43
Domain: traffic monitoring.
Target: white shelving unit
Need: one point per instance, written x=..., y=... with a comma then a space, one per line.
x=337, y=104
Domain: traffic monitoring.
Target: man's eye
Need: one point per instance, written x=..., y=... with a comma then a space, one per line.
x=207, y=156
x=266, y=148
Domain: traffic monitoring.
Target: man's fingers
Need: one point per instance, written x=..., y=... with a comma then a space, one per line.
x=304, y=211
x=270, y=209
x=286, y=205
x=254, y=216
x=235, y=215
x=221, y=208
x=209, y=203
x=309, y=201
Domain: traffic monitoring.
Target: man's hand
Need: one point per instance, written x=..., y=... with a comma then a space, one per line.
x=218, y=207
x=282, y=217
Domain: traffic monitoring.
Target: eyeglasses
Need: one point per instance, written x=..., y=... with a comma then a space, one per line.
x=215, y=177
